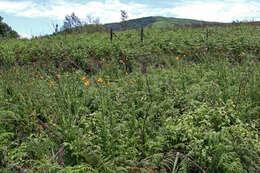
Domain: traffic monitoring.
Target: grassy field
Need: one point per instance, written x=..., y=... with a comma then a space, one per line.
x=184, y=100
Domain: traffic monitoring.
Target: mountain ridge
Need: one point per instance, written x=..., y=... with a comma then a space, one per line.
x=160, y=22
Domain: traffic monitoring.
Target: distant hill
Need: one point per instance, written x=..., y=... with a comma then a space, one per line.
x=160, y=22
x=152, y=21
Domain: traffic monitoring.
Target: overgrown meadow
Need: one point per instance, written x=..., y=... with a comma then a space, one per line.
x=184, y=100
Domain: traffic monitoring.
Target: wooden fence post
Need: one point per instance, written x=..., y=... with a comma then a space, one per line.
x=111, y=34
x=142, y=34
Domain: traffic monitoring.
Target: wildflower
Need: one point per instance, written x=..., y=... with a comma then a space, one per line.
x=108, y=83
x=87, y=83
x=177, y=58
x=84, y=78
x=103, y=60
x=122, y=62
x=126, y=73
x=100, y=80
x=184, y=55
x=58, y=76
x=134, y=81
x=51, y=83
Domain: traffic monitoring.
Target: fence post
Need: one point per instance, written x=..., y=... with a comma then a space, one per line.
x=142, y=34
x=111, y=34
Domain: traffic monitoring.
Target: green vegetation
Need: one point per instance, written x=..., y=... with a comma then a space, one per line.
x=162, y=22
x=184, y=100
x=6, y=31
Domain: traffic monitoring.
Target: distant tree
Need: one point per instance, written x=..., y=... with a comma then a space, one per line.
x=56, y=28
x=124, y=17
x=92, y=20
x=6, y=31
x=71, y=21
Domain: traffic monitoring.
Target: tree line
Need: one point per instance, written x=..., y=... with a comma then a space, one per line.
x=6, y=31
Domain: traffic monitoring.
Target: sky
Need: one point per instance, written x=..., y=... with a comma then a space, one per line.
x=38, y=17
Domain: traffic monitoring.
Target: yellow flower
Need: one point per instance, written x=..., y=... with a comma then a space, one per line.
x=58, y=76
x=100, y=80
x=83, y=78
x=51, y=83
x=177, y=58
x=87, y=83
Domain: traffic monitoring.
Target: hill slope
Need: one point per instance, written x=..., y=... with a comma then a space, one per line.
x=157, y=21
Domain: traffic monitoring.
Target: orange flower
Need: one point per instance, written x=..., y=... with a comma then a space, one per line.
x=84, y=78
x=184, y=55
x=126, y=73
x=51, y=83
x=87, y=83
x=177, y=58
x=122, y=62
x=108, y=83
x=58, y=76
x=100, y=80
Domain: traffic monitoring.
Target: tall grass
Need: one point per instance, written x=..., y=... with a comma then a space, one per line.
x=195, y=113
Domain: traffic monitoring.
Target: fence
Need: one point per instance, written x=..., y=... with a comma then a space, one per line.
x=112, y=34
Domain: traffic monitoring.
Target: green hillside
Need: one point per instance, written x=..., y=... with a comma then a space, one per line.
x=160, y=22
x=182, y=101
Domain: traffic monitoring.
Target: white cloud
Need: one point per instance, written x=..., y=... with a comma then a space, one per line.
x=109, y=10
x=13, y=7
x=23, y=35
x=222, y=11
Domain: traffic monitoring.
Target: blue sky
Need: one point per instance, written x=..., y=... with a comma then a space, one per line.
x=36, y=17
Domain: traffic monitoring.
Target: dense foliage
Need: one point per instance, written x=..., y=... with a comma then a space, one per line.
x=6, y=31
x=184, y=100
